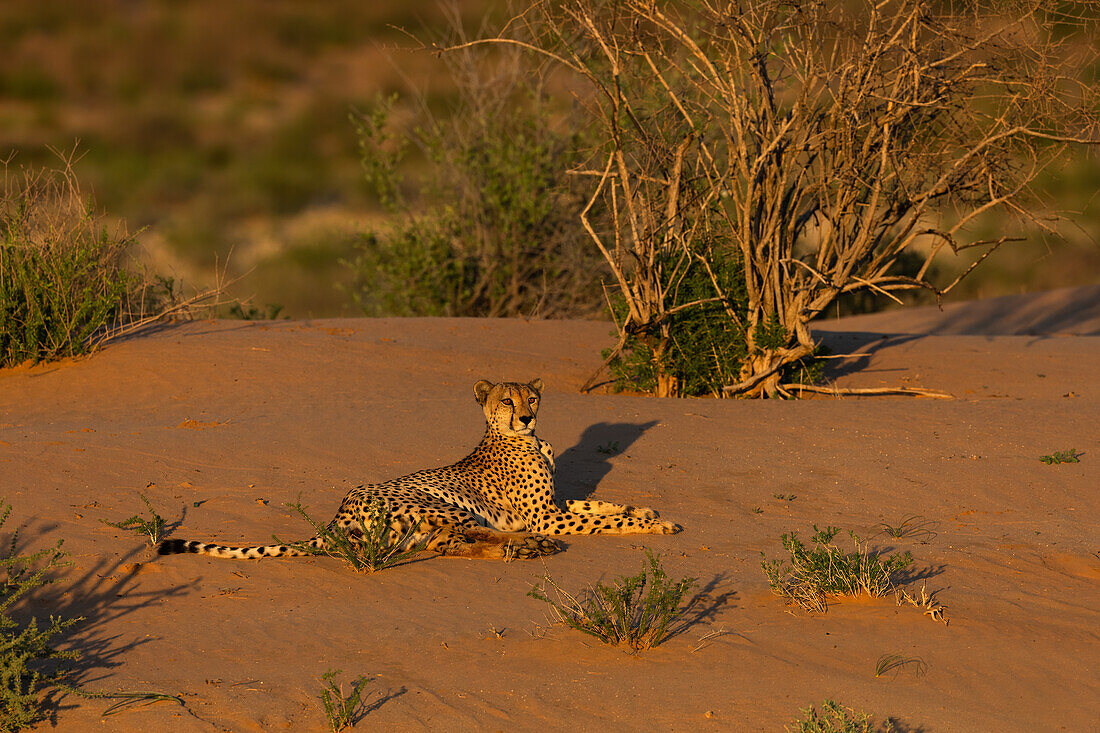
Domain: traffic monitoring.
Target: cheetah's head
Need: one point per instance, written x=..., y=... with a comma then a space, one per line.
x=510, y=407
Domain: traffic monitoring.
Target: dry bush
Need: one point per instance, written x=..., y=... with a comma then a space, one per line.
x=818, y=144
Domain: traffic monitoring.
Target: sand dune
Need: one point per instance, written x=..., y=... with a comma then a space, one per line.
x=1069, y=311
x=221, y=423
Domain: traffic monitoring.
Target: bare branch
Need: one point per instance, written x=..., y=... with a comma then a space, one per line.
x=868, y=391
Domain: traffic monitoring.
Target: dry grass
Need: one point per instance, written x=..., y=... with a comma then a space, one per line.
x=912, y=527
x=831, y=718
x=895, y=663
x=927, y=602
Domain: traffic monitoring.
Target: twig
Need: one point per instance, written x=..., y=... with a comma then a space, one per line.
x=842, y=391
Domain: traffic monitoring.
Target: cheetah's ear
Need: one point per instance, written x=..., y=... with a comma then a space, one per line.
x=536, y=384
x=481, y=391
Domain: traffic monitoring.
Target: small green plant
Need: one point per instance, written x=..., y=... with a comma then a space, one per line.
x=914, y=527
x=636, y=611
x=341, y=710
x=68, y=283
x=1062, y=456
x=377, y=545
x=888, y=663
x=609, y=449
x=814, y=573
x=832, y=718
x=785, y=497
x=758, y=510
x=153, y=529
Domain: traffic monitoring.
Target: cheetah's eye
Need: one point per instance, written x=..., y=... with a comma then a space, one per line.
x=530, y=400
x=506, y=401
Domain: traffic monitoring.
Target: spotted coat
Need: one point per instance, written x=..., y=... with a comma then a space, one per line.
x=496, y=502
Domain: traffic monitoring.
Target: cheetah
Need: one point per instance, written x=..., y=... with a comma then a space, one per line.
x=497, y=502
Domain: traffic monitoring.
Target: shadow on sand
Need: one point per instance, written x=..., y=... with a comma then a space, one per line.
x=100, y=595
x=581, y=467
x=704, y=605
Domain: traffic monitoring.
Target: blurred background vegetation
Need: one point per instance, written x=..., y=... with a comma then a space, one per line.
x=225, y=135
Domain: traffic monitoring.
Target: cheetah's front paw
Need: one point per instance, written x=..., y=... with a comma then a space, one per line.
x=668, y=528
x=530, y=546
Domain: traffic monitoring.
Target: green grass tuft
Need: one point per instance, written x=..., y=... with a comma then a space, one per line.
x=636, y=611
x=375, y=546
x=814, y=573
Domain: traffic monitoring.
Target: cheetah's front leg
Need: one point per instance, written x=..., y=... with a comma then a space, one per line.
x=547, y=452
x=607, y=508
x=559, y=523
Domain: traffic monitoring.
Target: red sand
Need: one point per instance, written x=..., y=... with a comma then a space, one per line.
x=221, y=423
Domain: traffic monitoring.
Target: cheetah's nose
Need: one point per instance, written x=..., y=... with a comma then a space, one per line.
x=526, y=419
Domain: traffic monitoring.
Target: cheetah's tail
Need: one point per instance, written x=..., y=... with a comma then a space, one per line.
x=255, y=552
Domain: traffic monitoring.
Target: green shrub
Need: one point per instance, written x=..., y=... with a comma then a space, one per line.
x=704, y=345
x=62, y=280
x=29, y=664
x=373, y=546
x=64, y=285
x=814, y=573
x=705, y=348
x=635, y=611
x=489, y=227
x=27, y=659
